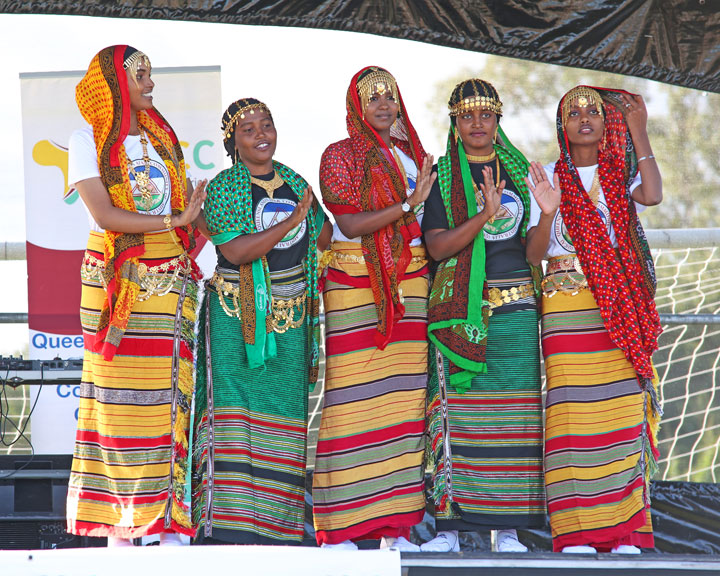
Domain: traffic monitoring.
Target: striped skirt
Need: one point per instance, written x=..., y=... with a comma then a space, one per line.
x=485, y=448
x=368, y=479
x=250, y=425
x=130, y=458
x=597, y=435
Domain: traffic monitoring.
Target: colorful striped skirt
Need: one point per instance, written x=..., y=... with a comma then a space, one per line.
x=598, y=437
x=368, y=479
x=250, y=424
x=485, y=448
x=130, y=458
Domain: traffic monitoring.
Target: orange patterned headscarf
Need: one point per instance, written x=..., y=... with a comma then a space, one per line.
x=104, y=101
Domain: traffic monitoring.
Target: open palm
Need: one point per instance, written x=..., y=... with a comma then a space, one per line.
x=546, y=194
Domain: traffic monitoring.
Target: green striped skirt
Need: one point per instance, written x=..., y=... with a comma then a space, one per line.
x=250, y=427
x=485, y=445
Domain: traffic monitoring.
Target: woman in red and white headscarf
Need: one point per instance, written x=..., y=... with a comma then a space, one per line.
x=139, y=294
x=599, y=322
x=368, y=480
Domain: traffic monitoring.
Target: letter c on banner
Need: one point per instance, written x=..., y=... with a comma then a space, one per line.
x=196, y=155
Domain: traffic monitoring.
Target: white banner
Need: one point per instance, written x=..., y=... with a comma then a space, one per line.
x=57, y=223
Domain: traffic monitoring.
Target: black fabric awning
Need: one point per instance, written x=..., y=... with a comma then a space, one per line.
x=673, y=41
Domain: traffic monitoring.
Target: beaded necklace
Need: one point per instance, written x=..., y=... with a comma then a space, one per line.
x=480, y=159
x=269, y=185
x=142, y=179
x=594, y=193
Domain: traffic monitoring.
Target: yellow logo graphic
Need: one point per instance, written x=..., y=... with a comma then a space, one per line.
x=48, y=153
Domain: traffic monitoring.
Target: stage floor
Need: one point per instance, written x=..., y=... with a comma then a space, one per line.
x=303, y=561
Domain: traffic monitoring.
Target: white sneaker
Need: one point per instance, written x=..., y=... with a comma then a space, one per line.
x=579, y=550
x=401, y=544
x=171, y=539
x=626, y=549
x=507, y=541
x=445, y=541
x=346, y=545
x=113, y=542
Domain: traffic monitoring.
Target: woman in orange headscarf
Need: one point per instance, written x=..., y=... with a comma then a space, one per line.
x=138, y=305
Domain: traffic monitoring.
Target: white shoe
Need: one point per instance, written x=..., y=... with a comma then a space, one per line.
x=626, y=549
x=507, y=541
x=113, y=542
x=579, y=550
x=346, y=545
x=445, y=541
x=171, y=539
x=401, y=544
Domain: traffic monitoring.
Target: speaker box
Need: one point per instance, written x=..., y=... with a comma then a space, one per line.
x=33, y=490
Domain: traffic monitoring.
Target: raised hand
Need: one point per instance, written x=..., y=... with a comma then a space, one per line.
x=301, y=209
x=546, y=194
x=193, y=206
x=636, y=114
x=426, y=178
x=491, y=193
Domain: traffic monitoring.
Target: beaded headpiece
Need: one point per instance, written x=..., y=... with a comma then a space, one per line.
x=375, y=81
x=582, y=96
x=474, y=94
x=133, y=59
x=237, y=111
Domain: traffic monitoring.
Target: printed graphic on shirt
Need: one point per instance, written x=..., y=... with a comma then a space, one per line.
x=269, y=212
x=158, y=186
x=507, y=219
x=420, y=208
x=562, y=236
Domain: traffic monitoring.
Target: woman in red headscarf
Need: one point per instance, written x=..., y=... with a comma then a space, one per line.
x=138, y=303
x=599, y=322
x=368, y=480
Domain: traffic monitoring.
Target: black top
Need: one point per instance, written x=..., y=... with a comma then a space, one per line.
x=292, y=249
x=504, y=250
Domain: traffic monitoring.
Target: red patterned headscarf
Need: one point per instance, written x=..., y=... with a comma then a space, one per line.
x=622, y=282
x=360, y=174
x=104, y=101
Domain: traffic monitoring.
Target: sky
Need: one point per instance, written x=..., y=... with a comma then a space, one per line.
x=301, y=74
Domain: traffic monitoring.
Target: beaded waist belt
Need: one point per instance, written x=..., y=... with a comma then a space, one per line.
x=563, y=274
x=498, y=297
x=334, y=256
x=288, y=301
x=154, y=280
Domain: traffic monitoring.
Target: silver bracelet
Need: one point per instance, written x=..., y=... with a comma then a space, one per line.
x=645, y=158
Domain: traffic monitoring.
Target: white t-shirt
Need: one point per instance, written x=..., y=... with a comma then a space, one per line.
x=82, y=164
x=560, y=241
x=411, y=173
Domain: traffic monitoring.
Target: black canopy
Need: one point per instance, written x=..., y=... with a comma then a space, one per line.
x=673, y=41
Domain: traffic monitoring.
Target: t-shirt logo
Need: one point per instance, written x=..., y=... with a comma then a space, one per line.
x=271, y=211
x=507, y=218
x=562, y=236
x=159, y=186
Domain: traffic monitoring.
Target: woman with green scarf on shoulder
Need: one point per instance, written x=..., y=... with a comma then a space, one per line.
x=259, y=339
x=484, y=412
